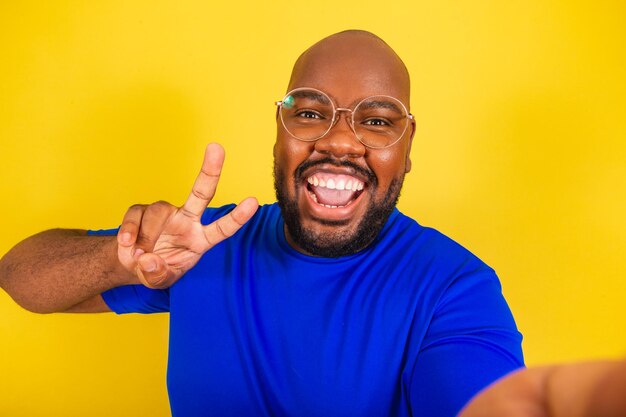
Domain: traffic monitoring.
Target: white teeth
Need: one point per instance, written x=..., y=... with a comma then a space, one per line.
x=341, y=184
x=314, y=198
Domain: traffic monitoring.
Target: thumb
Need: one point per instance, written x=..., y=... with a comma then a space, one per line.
x=153, y=271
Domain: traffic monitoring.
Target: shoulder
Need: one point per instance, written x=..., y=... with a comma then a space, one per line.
x=404, y=235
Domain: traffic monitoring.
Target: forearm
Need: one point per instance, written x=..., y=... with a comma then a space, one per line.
x=57, y=269
x=588, y=389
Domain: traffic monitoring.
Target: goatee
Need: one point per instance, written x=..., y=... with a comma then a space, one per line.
x=337, y=243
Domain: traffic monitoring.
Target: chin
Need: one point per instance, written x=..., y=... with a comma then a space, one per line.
x=334, y=237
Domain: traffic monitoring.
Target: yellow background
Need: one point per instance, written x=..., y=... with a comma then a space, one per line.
x=520, y=155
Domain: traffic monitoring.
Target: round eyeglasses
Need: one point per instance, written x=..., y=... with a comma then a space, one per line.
x=377, y=121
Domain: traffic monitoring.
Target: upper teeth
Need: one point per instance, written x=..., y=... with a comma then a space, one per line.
x=340, y=184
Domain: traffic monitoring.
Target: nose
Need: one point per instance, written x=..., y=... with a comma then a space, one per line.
x=341, y=141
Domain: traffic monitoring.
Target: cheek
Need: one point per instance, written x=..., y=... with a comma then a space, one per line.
x=288, y=155
x=387, y=164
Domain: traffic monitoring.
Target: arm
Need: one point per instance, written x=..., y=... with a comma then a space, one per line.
x=55, y=270
x=471, y=341
x=592, y=389
x=66, y=270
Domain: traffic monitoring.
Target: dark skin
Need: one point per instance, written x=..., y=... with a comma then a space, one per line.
x=158, y=243
x=348, y=67
x=66, y=270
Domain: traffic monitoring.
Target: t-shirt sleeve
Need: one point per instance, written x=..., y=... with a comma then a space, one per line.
x=137, y=299
x=471, y=341
x=133, y=298
x=141, y=299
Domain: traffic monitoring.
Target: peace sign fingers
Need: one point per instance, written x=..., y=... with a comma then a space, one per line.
x=206, y=182
x=227, y=225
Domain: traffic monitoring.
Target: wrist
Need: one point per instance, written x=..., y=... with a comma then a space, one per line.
x=119, y=274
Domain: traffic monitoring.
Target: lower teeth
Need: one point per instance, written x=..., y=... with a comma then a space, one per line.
x=314, y=197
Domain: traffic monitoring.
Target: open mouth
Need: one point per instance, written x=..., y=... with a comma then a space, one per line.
x=334, y=191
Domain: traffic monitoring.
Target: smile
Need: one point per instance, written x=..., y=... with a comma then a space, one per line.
x=334, y=190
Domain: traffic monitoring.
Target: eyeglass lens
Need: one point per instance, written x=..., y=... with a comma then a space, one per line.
x=378, y=121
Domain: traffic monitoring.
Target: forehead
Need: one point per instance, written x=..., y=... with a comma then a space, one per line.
x=351, y=69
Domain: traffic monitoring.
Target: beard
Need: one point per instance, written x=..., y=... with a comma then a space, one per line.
x=333, y=244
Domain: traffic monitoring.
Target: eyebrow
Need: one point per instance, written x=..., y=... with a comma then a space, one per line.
x=381, y=104
x=313, y=95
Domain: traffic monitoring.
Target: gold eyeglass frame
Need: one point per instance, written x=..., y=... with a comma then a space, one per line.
x=335, y=119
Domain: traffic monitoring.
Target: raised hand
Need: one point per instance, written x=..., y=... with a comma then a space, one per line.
x=160, y=242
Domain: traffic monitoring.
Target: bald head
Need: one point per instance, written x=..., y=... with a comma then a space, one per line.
x=357, y=59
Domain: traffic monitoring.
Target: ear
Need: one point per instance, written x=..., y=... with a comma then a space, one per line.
x=407, y=162
x=277, y=129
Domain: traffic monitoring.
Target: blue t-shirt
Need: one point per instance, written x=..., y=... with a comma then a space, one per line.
x=413, y=325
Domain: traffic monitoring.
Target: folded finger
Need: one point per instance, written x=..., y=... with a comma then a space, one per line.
x=127, y=234
x=206, y=182
x=153, y=272
x=153, y=220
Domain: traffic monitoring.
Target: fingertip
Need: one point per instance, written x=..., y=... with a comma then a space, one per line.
x=250, y=202
x=215, y=149
x=147, y=263
x=249, y=206
x=253, y=199
x=245, y=210
x=138, y=252
x=124, y=239
x=152, y=271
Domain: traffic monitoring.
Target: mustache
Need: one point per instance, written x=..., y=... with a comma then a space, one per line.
x=367, y=173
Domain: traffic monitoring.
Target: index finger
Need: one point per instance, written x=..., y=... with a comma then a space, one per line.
x=206, y=182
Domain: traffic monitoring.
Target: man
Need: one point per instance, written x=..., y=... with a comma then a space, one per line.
x=330, y=302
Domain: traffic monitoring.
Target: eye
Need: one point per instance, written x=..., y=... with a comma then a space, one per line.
x=376, y=122
x=309, y=114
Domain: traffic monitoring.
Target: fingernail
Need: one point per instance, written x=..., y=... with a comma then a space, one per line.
x=138, y=253
x=149, y=266
x=125, y=237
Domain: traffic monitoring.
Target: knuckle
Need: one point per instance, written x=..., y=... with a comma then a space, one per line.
x=188, y=213
x=220, y=229
x=234, y=215
x=157, y=280
x=200, y=194
x=157, y=205
x=215, y=174
x=128, y=225
x=161, y=207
